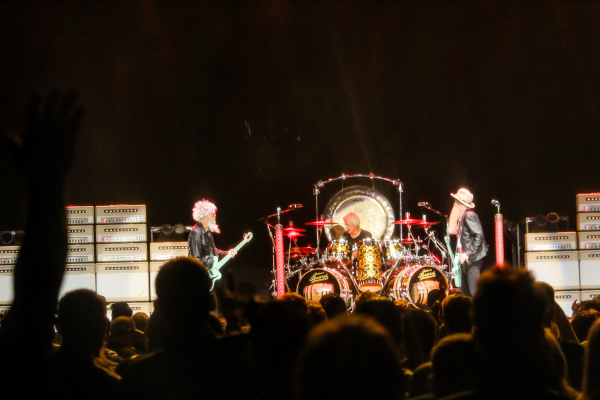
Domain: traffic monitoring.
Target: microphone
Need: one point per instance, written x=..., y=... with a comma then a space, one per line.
x=423, y=204
x=495, y=202
x=294, y=206
x=278, y=212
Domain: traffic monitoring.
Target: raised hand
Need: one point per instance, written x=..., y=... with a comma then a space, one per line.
x=45, y=153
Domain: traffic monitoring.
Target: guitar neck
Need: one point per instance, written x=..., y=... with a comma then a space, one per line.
x=228, y=256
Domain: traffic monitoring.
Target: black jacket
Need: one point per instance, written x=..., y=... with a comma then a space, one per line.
x=471, y=237
x=202, y=246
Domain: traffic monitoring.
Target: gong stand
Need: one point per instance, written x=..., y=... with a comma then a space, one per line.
x=320, y=184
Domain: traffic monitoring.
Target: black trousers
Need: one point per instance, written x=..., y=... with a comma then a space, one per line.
x=470, y=274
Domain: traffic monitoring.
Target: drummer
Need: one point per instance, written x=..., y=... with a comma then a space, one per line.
x=353, y=232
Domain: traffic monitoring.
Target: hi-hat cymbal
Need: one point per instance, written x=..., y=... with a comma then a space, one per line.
x=320, y=223
x=292, y=229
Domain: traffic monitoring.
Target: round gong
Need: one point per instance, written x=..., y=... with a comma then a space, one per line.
x=373, y=209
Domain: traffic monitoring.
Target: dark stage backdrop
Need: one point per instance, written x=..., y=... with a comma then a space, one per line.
x=249, y=104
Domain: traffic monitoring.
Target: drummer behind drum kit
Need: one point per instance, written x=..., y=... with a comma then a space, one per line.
x=392, y=268
x=402, y=269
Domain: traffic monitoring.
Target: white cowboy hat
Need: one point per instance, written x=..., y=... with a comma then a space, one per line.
x=464, y=197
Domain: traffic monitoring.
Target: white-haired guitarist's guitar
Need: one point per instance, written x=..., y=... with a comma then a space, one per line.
x=214, y=272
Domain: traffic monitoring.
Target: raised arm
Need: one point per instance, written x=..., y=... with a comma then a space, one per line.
x=44, y=155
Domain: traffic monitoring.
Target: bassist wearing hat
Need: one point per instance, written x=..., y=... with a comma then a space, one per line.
x=472, y=247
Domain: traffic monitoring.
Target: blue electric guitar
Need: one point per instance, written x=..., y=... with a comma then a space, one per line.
x=455, y=261
x=214, y=272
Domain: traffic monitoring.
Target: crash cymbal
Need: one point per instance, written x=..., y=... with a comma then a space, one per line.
x=321, y=223
x=292, y=229
x=305, y=250
x=411, y=221
x=293, y=234
x=428, y=224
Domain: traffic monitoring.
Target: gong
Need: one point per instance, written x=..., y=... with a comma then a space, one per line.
x=373, y=209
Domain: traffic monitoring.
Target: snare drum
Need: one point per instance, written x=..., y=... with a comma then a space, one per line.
x=318, y=282
x=369, y=265
x=416, y=282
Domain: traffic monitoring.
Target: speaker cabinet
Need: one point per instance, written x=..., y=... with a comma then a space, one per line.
x=123, y=281
x=122, y=252
x=144, y=307
x=560, y=269
x=587, y=295
x=168, y=250
x=155, y=266
x=565, y=299
x=589, y=269
x=80, y=234
x=9, y=254
x=6, y=284
x=78, y=276
x=80, y=253
x=121, y=214
x=80, y=215
x=121, y=233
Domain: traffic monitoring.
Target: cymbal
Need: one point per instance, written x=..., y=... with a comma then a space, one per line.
x=305, y=250
x=293, y=234
x=320, y=223
x=414, y=221
x=292, y=229
x=428, y=224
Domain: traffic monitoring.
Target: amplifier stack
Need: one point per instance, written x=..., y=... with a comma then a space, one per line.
x=588, y=236
x=80, y=268
x=122, y=253
x=107, y=252
x=569, y=261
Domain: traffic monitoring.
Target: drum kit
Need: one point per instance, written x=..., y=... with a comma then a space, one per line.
x=405, y=268
x=393, y=268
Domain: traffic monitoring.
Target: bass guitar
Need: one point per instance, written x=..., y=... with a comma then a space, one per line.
x=455, y=261
x=214, y=272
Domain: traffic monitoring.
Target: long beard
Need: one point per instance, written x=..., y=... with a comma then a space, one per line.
x=213, y=227
x=455, y=216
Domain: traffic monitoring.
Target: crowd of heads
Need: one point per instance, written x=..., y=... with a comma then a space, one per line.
x=499, y=344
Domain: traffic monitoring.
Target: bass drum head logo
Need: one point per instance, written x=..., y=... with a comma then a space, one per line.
x=317, y=283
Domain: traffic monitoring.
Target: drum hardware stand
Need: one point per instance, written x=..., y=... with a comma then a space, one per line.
x=279, y=236
x=445, y=252
x=339, y=260
x=499, y=235
x=439, y=245
x=390, y=274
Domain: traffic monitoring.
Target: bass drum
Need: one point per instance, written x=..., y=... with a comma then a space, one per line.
x=318, y=282
x=416, y=282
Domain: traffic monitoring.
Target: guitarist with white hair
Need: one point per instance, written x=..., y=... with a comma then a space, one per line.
x=200, y=242
x=472, y=247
